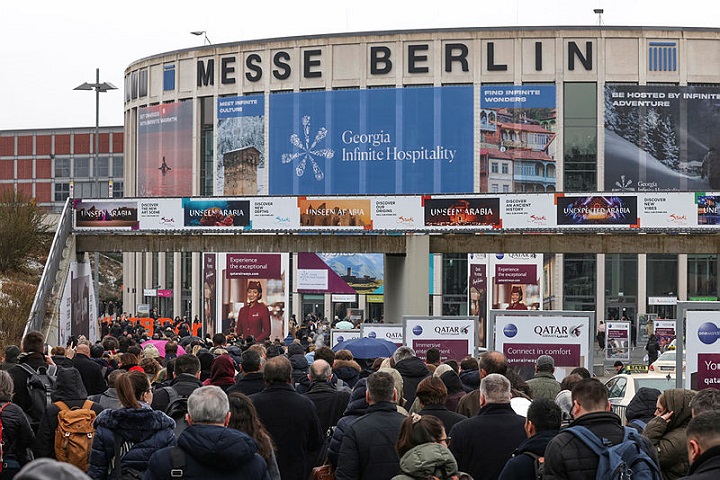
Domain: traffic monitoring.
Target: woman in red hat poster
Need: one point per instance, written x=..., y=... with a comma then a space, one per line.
x=254, y=317
x=516, y=299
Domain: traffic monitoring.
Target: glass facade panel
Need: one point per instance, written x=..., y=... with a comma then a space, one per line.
x=579, y=272
x=702, y=277
x=454, y=284
x=207, y=120
x=117, y=167
x=62, y=167
x=662, y=275
x=81, y=168
x=580, y=137
x=102, y=167
x=62, y=191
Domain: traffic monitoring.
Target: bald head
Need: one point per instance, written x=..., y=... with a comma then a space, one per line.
x=320, y=371
x=83, y=349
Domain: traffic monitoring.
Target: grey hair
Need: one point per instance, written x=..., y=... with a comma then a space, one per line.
x=320, y=371
x=208, y=404
x=403, y=353
x=495, y=388
x=6, y=386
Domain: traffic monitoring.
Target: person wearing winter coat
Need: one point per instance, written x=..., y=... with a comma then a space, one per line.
x=137, y=425
x=17, y=436
x=543, y=423
x=653, y=348
x=422, y=446
x=70, y=390
x=455, y=390
x=667, y=431
x=641, y=408
x=357, y=407
x=211, y=449
x=412, y=369
x=432, y=397
x=703, y=434
x=346, y=368
x=296, y=355
x=222, y=372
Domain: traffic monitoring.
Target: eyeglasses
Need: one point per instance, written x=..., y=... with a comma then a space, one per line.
x=445, y=440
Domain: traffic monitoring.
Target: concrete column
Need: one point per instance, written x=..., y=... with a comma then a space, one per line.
x=599, y=289
x=406, y=280
x=682, y=291
x=129, y=284
x=139, y=282
x=642, y=283
x=295, y=307
x=437, y=284
x=557, y=289
x=196, y=286
x=177, y=285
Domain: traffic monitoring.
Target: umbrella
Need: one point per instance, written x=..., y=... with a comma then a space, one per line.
x=367, y=348
x=160, y=344
x=344, y=325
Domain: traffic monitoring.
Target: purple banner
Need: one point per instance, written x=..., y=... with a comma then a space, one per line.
x=449, y=349
x=519, y=274
x=259, y=265
x=478, y=275
x=565, y=355
x=451, y=212
x=618, y=333
x=597, y=210
x=708, y=374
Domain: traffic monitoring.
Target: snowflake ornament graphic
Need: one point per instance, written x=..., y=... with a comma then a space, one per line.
x=623, y=184
x=308, y=152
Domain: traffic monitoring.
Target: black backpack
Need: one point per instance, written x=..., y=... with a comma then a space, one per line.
x=40, y=386
x=176, y=409
x=539, y=465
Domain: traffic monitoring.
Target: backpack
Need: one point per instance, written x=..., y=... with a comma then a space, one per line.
x=176, y=409
x=2, y=456
x=539, y=465
x=116, y=470
x=638, y=424
x=74, y=434
x=624, y=461
x=40, y=385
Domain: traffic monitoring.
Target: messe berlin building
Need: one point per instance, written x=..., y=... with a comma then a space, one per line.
x=536, y=110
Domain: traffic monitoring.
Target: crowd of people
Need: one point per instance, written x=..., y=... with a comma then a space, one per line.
x=234, y=408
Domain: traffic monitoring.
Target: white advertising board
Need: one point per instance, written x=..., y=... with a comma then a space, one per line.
x=455, y=337
x=393, y=333
x=617, y=341
x=703, y=350
x=339, y=335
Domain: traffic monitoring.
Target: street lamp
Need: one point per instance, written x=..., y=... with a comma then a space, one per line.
x=204, y=33
x=98, y=87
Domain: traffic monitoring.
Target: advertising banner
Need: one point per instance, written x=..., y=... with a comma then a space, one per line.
x=210, y=304
x=665, y=332
x=478, y=288
x=617, y=341
x=108, y=214
x=254, y=294
x=455, y=337
x=216, y=213
x=597, y=210
x=662, y=137
x=703, y=354
x=516, y=281
x=393, y=333
x=338, y=335
x=327, y=212
x=669, y=210
x=517, y=124
x=372, y=141
x=397, y=213
x=240, y=146
x=528, y=211
x=164, y=150
x=708, y=210
x=161, y=214
x=462, y=212
x=78, y=306
x=274, y=213
x=524, y=339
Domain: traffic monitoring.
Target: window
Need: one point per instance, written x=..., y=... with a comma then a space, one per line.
x=62, y=191
x=579, y=272
x=580, y=137
x=494, y=167
x=455, y=283
x=506, y=188
x=702, y=275
x=117, y=189
x=82, y=168
x=102, y=167
x=62, y=167
x=494, y=188
x=169, y=77
x=505, y=168
x=117, y=167
x=207, y=120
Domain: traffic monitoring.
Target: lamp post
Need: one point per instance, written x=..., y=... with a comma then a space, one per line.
x=98, y=87
x=204, y=33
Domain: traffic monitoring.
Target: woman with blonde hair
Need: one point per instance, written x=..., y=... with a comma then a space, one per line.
x=126, y=438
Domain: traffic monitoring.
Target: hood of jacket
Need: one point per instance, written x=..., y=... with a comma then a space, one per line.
x=347, y=364
x=428, y=459
x=298, y=362
x=678, y=402
x=452, y=382
x=642, y=406
x=218, y=447
x=68, y=386
x=134, y=424
x=412, y=367
x=357, y=405
x=470, y=379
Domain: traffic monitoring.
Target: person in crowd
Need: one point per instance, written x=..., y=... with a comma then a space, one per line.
x=129, y=362
x=619, y=368
x=12, y=352
x=569, y=382
x=482, y=444
x=70, y=390
x=152, y=369
x=139, y=429
x=451, y=379
x=703, y=445
x=422, y=447
x=432, y=358
x=17, y=435
x=357, y=407
x=667, y=431
x=653, y=349
x=412, y=369
x=222, y=372
x=296, y=355
x=251, y=379
x=171, y=351
x=582, y=371
x=33, y=344
x=60, y=358
x=187, y=379
x=542, y=424
x=566, y=456
x=109, y=398
x=206, y=360
x=291, y=419
x=601, y=335
x=704, y=400
x=329, y=402
x=544, y=384
x=345, y=368
x=641, y=408
x=432, y=397
x=97, y=355
x=469, y=374
x=91, y=372
x=368, y=450
x=208, y=447
x=49, y=469
x=244, y=417
x=564, y=401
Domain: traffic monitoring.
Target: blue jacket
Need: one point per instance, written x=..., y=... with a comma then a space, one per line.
x=522, y=466
x=211, y=452
x=148, y=430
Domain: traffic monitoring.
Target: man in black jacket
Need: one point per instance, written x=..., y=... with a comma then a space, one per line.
x=90, y=371
x=566, y=456
x=329, y=401
x=483, y=443
x=368, y=447
x=250, y=381
x=187, y=380
x=703, y=438
x=412, y=369
x=33, y=345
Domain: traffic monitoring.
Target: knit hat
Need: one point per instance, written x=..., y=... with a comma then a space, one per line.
x=295, y=349
x=151, y=351
x=545, y=360
x=12, y=352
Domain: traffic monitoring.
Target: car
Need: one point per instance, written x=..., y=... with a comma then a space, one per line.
x=622, y=388
x=666, y=363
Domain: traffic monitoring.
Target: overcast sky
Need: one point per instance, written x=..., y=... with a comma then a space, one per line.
x=48, y=48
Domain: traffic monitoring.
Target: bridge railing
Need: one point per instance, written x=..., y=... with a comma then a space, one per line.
x=52, y=266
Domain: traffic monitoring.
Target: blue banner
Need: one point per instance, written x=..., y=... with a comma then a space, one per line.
x=379, y=141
